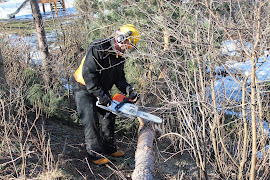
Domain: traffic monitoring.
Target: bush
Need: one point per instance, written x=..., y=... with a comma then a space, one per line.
x=48, y=101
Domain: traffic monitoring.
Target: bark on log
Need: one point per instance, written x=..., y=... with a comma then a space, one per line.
x=144, y=156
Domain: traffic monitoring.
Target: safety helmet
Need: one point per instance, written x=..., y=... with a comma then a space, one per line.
x=129, y=32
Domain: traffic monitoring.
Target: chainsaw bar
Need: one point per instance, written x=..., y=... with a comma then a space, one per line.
x=129, y=110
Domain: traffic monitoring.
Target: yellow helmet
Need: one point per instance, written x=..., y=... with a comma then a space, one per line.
x=129, y=32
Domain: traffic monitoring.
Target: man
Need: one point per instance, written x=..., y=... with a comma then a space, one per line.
x=100, y=69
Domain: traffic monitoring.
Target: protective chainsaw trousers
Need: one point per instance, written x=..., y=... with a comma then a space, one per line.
x=98, y=125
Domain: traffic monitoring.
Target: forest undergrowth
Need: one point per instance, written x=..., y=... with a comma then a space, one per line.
x=208, y=131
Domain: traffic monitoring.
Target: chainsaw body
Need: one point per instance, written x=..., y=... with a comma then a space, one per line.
x=123, y=106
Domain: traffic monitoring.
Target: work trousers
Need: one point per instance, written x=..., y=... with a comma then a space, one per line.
x=98, y=125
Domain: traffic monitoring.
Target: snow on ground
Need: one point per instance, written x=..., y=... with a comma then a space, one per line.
x=229, y=47
x=228, y=89
x=10, y=6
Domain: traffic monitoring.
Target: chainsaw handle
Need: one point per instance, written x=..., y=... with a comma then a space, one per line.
x=125, y=100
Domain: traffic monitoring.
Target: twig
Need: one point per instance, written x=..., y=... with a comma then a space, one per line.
x=12, y=161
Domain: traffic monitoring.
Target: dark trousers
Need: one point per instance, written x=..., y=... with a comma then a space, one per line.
x=97, y=123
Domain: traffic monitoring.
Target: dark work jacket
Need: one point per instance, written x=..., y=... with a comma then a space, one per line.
x=103, y=68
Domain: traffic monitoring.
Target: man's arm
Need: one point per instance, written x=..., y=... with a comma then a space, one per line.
x=121, y=82
x=89, y=73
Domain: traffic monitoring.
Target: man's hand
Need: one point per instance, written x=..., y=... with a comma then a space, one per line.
x=104, y=100
x=130, y=90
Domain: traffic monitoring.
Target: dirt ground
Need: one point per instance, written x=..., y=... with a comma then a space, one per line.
x=67, y=145
x=67, y=149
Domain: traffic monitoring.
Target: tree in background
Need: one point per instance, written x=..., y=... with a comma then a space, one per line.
x=43, y=46
x=3, y=82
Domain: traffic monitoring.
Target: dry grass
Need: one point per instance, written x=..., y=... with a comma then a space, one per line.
x=200, y=140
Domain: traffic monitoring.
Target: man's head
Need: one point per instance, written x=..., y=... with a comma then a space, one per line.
x=126, y=37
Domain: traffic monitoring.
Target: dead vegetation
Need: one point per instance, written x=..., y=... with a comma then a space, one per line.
x=180, y=47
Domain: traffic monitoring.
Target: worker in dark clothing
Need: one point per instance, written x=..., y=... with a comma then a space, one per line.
x=100, y=69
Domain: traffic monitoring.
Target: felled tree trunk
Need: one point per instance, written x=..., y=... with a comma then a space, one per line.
x=144, y=156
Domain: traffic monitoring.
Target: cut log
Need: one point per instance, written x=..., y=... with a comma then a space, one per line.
x=144, y=156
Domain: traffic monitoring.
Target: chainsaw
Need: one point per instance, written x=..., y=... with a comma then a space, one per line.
x=125, y=107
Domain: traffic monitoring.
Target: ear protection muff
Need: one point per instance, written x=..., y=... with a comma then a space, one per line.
x=122, y=37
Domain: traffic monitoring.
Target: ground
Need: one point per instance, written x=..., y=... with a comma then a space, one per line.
x=62, y=155
x=67, y=145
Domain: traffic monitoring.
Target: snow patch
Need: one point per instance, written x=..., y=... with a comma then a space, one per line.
x=8, y=7
x=233, y=48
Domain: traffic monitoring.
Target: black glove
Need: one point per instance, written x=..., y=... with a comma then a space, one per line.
x=104, y=100
x=130, y=90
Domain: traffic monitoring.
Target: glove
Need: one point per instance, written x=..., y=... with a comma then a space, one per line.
x=130, y=90
x=104, y=100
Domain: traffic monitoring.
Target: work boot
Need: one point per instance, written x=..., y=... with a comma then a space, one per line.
x=118, y=154
x=97, y=160
x=100, y=161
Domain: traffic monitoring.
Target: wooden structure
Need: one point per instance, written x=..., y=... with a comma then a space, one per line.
x=54, y=4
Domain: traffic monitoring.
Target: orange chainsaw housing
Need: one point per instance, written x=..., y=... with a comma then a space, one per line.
x=119, y=97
